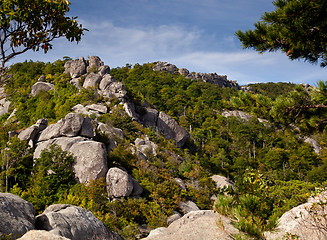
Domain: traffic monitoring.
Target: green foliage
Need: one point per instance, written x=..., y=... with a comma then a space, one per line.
x=52, y=105
x=16, y=161
x=297, y=28
x=34, y=25
x=52, y=175
x=272, y=90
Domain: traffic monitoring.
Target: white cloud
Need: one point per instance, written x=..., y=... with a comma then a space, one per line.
x=117, y=46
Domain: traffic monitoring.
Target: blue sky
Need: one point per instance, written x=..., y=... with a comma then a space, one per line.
x=195, y=34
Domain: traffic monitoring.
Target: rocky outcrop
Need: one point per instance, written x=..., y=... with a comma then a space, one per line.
x=99, y=108
x=41, y=235
x=112, y=133
x=197, y=225
x=17, y=216
x=41, y=86
x=314, y=143
x=73, y=134
x=214, y=78
x=165, y=67
x=90, y=160
x=4, y=106
x=121, y=184
x=98, y=77
x=308, y=221
x=73, y=222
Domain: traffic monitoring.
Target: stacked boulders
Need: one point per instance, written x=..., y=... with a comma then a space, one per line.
x=96, y=76
x=17, y=217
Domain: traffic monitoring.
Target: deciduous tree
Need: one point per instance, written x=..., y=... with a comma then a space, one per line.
x=34, y=24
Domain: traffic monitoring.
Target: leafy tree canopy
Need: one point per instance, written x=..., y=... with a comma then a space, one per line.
x=33, y=24
x=296, y=27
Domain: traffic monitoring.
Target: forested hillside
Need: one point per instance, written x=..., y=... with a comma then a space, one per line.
x=271, y=142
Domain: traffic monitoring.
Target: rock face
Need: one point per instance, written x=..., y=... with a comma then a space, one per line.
x=308, y=221
x=90, y=160
x=41, y=235
x=171, y=129
x=166, y=125
x=41, y=86
x=197, y=225
x=74, y=223
x=17, y=216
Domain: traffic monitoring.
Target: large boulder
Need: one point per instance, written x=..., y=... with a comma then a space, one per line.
x=115, y=89
x=92, y=80
x=17, y=216
x=41, y=86
x=197, y=225
x=69, y=126
x=73, y=222
x=72, y=124
x=87, y=129
x=119, y=183
x=165, y=124
x=90, y=160
x=94, y=61
x=29, y=133
x=172, y=130
x=76, y=68
x=41, y=235
x=90, y=157
x=64, y=142
x=103, y=70
x=106, y=80
x=307, y=221
x=100, y=108
x=52, y=131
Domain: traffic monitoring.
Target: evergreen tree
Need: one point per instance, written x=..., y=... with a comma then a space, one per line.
x=296, y=27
